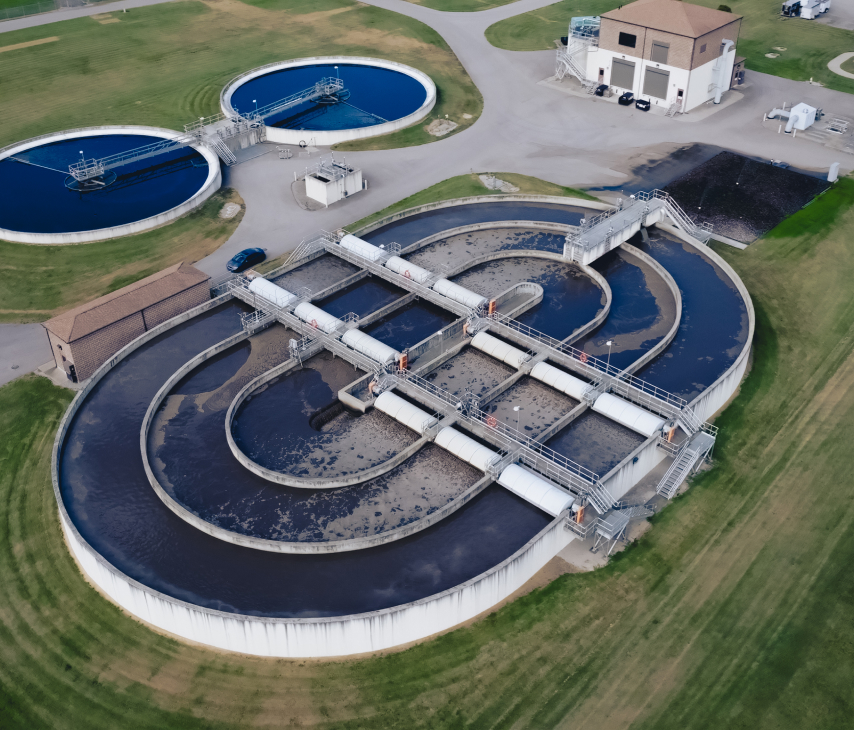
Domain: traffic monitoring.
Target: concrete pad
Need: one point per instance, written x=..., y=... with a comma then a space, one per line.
x=24, y=348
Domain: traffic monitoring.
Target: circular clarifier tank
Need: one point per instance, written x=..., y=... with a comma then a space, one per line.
x=43, y=203
x=371, y=97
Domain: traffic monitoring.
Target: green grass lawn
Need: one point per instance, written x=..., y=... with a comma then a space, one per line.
x=461, y=186
x=735, y=611
x=848, y=65
x=165, y=65
x=39, y=282
x=809, y=45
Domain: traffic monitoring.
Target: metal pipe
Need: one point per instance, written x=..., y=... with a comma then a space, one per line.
x=727, y=44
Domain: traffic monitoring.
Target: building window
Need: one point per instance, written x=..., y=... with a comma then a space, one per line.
x=59, y=346
x=703, y=48
x=659, y=52
x=63, y=358
x=628, y=40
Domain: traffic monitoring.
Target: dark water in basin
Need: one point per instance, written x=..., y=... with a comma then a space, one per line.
x=714, y=323
x=363, y=298
x=409, y=230
x=570, y=297
x=109, y=500
x=630, y=324
x=142, y=189
x=377, y=95
x=595, y=442
x=409, y=325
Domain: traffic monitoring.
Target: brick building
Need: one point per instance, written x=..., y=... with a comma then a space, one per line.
x=84, y=338
x=673, y=53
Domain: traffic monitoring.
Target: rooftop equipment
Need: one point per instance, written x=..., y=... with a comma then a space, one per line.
x=403, y=411
x=410, y=271
x=535, y=490
x=628, y=414
x=559, y=380
x=316, y=317
x=271, y=292
x=362, y=248
x=459, y=294
x=466, y=448
x=369, y=346
x=499, y=350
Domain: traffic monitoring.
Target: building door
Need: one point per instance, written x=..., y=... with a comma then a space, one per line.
x=655, y=83
x=601, y=75
x=623, y=74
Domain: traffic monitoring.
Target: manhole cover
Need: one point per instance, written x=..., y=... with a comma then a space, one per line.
x=229, y=210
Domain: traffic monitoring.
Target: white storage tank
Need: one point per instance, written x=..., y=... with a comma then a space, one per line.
x=370, y=346
x=559, y=380
x=499, y=350
x=466, y=448
x=271, y=292
x=628, y=414
x=362, y=248
x=410, y=271
x=459, y=294
x=535, y=490
x=316, y=317
x=403, y=411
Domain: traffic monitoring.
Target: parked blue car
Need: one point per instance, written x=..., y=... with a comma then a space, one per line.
x=246, y=258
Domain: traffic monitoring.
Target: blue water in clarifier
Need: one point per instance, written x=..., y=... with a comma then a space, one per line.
x=633, y=311
x=106, y=492
x=377, y=95
x=409, y=325
x=363, y=297
x=714, y=323
x=417, y=227
x=35, y=199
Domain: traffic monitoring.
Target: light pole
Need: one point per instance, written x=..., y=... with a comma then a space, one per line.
x=255, y=102
x=517, y=409
x=439, y=335
x=336, y=72
x=608, y=364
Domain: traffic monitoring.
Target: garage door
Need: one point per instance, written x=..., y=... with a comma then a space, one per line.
x=655, y=83
x=622, y=74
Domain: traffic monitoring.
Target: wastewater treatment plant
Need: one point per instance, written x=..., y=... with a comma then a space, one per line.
x=334, y=413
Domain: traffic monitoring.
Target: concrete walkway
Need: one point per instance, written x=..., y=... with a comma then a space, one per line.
x=836, y=65
x=525, y=127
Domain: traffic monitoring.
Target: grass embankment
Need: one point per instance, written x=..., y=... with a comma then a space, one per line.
x=809, y=45
x=737, y=610
x=166, y=65
x=848, y=65
x=41, y=281
x=461, y=186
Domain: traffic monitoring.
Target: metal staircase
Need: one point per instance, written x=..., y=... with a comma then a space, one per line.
x=572, y=60
x=701, y=231
x=687, y=459
x=222, y=150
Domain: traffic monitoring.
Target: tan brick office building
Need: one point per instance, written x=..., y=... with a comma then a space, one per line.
x=670, y=52
x=84, y=338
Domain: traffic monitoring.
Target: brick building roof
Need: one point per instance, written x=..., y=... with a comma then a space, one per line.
x=672, y=16
x=107, y=310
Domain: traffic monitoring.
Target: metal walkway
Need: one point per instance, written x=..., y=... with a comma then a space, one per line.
x=603, y=233
x=212, y=131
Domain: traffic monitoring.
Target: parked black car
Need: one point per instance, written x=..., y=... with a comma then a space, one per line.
x=246, y=258
x=643, y=104
x=627, y=98
x=601, y=89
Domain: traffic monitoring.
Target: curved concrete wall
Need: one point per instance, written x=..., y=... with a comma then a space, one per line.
x=322, y=138
x=210, y=186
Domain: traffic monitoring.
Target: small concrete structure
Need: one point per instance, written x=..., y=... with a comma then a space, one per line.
x=330, y=181
x=83, y=339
